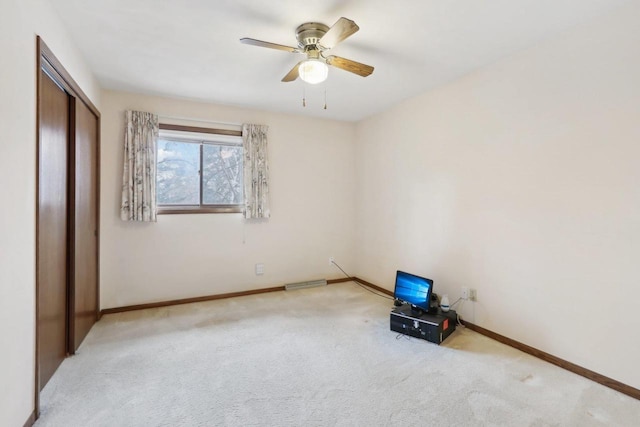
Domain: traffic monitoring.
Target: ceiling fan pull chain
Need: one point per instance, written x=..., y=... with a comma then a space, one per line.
x=304, y=98
x=325, y=97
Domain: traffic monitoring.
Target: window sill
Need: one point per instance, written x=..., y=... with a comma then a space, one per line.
x=172, y=210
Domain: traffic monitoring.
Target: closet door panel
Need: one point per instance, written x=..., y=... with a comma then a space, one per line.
x=85, y=214
x=52, y=265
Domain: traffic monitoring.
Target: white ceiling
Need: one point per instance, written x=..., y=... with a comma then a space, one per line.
x=190, y=49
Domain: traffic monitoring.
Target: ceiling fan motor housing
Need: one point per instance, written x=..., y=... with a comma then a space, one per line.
x=310, y=33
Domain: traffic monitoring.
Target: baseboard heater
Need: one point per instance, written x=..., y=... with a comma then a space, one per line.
x=302, y=285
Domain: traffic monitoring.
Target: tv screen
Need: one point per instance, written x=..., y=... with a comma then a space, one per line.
x=414, y=290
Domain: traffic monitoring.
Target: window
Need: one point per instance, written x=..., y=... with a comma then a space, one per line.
x=199, y=170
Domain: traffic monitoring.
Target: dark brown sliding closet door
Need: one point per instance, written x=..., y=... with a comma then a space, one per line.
x=84, y=245
x=52, y=272
x=67, y=216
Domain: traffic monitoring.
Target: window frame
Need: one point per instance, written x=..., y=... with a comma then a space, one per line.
x=201, y=208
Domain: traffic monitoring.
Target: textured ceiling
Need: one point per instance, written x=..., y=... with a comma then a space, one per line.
x=190, y=49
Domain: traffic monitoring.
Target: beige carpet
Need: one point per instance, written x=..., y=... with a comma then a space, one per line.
x=315, y=357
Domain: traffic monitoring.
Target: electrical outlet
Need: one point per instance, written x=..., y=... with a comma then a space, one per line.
x=473, y=296
x=465, y=293
x=330, y=260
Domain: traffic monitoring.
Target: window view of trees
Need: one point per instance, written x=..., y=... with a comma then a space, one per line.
x=222, y=176
x=179, y=179
x=178, y=173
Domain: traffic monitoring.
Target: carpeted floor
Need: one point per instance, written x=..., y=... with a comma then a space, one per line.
x=314, y=357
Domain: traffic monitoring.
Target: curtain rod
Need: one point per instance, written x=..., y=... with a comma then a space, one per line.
x=162, y=116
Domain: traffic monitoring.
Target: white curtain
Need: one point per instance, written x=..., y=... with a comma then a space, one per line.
x=139, y=176
x=256, y=171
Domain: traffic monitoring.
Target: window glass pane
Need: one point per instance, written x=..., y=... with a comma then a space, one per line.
x=178, y=180
x=222, y=177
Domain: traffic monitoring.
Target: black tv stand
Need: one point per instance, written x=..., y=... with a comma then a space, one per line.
x=433, y=327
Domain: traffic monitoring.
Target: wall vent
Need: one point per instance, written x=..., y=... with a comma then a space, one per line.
x=301, y=285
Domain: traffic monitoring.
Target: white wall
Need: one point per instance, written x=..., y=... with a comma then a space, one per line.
x=182, y=256
x=521, y=180
x=20, y=21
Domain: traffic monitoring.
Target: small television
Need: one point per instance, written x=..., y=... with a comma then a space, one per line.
x=413, y=290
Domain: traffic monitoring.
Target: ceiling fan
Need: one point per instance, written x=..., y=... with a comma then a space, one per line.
x=314, y=39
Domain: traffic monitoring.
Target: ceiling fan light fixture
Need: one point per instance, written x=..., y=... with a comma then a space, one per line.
x=313, y=71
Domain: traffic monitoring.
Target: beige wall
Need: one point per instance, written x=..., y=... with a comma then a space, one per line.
x=20, y=21
x=182, y=256
x=522, y=181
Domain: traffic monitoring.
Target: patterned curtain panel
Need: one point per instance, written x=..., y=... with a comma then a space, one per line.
x=139, y=176
x=256, y=171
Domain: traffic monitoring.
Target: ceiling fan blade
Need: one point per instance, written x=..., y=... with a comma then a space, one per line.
x=351, y=66
x=260, y=43
x=293, y=74
x=342, y=29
